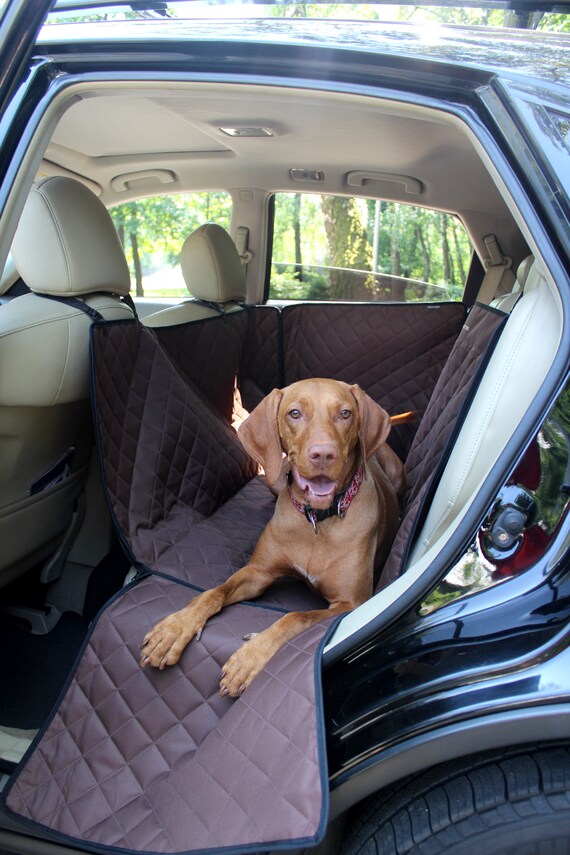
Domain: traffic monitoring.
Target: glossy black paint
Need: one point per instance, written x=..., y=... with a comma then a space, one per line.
x=429, y=674
x=20, y=23
x=511, y=53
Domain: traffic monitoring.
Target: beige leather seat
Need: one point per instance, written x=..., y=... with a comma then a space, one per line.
x=214, y=275
x=65, y=247
x=514, y=375
x=505, y=302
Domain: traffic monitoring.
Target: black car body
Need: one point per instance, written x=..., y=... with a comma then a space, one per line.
x=453, y=685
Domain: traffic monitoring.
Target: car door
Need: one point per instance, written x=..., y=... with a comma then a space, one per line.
x=20, y=23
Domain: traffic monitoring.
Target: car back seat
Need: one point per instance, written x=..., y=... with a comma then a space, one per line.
x=437, y=433
x=514, y=376
x=395, y=352
x=148, y=760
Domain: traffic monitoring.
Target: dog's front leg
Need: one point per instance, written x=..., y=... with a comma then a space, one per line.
x=252, y=657
x=164, y=644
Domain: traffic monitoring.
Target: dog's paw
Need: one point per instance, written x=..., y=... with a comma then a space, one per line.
x=244, y=665
x=164, y=644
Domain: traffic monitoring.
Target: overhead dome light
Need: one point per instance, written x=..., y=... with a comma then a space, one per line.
x=247, y=131
x=307, y=174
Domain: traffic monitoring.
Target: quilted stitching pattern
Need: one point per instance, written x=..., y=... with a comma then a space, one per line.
x=152, y=760
x=160, y=450
x=207, y=354
x=435, y=431
x=207, y=552
x=259, y=369
x=170, y=464
x=394, y=352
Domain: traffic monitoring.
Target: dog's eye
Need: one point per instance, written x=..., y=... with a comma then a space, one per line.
x=294, y=414
x=345, y=414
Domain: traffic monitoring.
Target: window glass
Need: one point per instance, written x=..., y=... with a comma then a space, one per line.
x=562, y=124
x=346, y=248
x=152, y=232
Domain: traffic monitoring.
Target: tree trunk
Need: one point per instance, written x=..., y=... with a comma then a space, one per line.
x=398, y=292
x=297, y=233
x=348, y=248
x=447, y=271
x=522, y=19
x=425, y=253
x=137, y=265
x=458, y=254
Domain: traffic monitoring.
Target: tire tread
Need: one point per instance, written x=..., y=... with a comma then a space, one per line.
x=447, y=805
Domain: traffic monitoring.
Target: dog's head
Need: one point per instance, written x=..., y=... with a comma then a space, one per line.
x=320, y=429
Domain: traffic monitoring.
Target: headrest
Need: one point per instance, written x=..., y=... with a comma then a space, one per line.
x=66, y=243
x=211, y=265
x=523, y=270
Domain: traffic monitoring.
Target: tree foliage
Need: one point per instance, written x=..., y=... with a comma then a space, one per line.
x=467, y=16
x=366, y=249
x=152, y=230
x=461, y=15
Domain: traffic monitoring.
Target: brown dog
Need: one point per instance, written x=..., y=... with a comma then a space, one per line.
x=336, y=465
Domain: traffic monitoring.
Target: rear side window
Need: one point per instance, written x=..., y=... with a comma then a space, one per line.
x=153, y=230
x=347, y=248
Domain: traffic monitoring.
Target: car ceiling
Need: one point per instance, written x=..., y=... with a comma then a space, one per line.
x=129, y=142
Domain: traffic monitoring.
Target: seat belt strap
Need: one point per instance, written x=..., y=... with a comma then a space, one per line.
x=76, y=304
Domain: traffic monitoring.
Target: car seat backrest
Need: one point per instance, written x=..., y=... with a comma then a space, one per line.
x=505, y=391
x=513, y=378
x=214, y=275
x=68, y=252
x=505, y=302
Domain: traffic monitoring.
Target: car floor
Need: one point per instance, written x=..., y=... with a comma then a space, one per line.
x=34, y=667
x=34, y=672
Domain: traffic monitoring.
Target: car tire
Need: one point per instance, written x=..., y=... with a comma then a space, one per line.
x=501, y=803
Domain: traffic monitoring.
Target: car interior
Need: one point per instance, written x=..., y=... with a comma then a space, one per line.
x=66, y=512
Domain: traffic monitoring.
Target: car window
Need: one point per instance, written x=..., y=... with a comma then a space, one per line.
x=562, y=124
x=348, y=248
x=152, y=232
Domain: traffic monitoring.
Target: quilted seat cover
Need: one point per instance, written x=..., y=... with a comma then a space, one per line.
x=182, y=489
x=395, y=352
x=440, y=424
x=140, y=760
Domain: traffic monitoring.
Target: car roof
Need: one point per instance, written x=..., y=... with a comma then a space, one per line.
x=512, y=53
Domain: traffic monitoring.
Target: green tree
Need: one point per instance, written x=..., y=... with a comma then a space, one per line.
x=156, y=227
x=349, y=247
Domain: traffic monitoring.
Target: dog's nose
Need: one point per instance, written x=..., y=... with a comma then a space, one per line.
x=322, y=453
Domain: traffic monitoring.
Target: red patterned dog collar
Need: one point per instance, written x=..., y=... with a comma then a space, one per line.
x=339, y=505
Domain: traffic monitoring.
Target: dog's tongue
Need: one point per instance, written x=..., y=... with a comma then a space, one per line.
x=320, y=487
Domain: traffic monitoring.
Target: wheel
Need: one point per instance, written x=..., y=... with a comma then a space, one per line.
x=513, y=802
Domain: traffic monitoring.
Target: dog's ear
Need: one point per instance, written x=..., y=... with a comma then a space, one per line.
x=259, y=434
x=375, y=423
